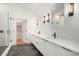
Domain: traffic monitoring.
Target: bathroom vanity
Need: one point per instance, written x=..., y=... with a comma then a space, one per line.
x=49, y=46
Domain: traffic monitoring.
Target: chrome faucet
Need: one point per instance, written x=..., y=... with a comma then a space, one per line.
x=39, y=32
x=54, y=34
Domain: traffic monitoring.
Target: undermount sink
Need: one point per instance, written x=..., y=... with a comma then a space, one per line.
x=47, y=37
x=50, y=37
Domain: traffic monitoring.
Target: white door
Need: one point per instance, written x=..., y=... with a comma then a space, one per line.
x=24, y=30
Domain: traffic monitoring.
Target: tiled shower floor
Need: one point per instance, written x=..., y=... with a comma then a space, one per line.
x=2, y=49
x=24, y=50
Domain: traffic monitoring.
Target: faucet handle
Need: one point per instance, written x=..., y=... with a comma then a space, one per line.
x=54, y=34
x=39, y=32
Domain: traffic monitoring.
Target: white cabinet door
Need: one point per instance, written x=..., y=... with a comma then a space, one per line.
x=47, y=48
x=61, y=51
x=50, y=49
x=42, y=46
x=33, y=40
x=36, y=42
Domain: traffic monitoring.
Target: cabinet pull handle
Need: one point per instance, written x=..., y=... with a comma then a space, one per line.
x=66, y=49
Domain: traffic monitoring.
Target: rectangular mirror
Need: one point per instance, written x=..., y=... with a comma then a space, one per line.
x=57, y=16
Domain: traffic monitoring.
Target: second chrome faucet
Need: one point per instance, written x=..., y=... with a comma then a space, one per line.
x=54, y=34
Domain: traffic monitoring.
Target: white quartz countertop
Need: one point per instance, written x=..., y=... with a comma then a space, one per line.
x=71, y=45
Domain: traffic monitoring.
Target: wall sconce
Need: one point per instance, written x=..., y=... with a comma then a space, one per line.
x=48, y=17
x=71, y=9
x=44, y=20
x=37, y=22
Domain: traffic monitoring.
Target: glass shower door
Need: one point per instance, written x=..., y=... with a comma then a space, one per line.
x=3, y=31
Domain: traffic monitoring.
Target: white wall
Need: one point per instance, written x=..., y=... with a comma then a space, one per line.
x=70, y=31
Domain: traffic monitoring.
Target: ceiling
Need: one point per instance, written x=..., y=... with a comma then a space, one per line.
x=38, y=8
x=33, y=6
